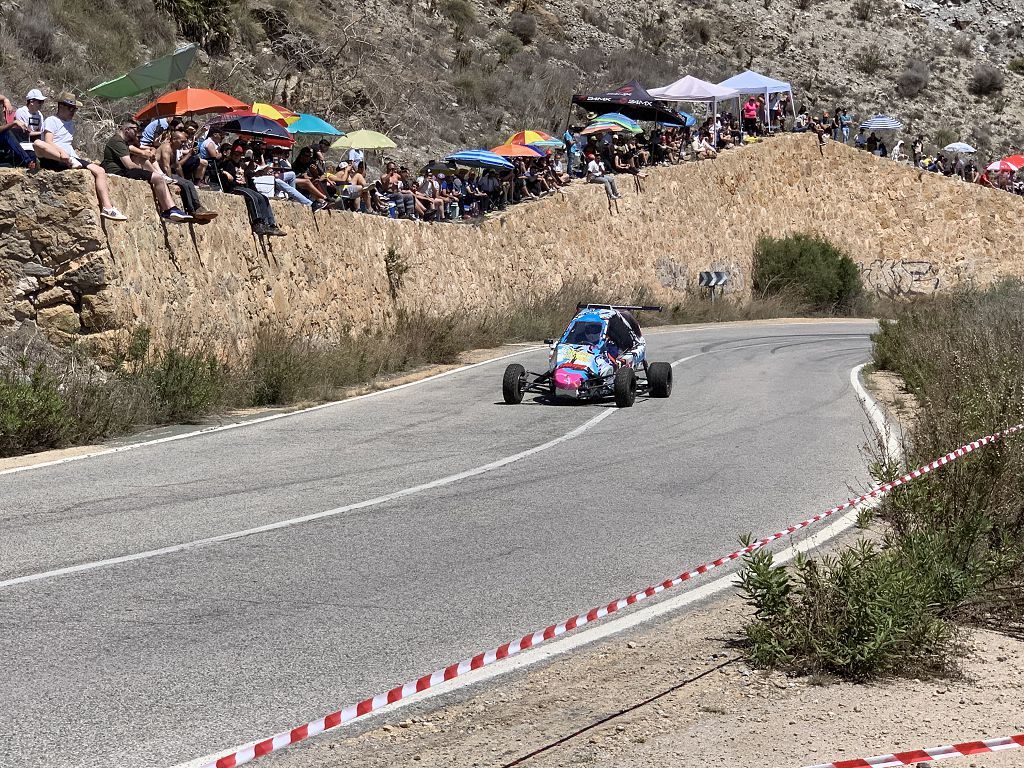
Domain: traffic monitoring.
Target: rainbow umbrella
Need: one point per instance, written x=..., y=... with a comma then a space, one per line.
x=516, y=150
x=528, y=137
x=619, y=119
x=602, y=128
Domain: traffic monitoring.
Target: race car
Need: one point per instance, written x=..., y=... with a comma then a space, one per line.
x=601, y=354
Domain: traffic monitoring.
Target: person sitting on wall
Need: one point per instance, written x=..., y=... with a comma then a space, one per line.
x=11, y=130
x=32, y=115
x=236, y=176
x=209, y=153
x=118, y=161
x=168, y=160
x=596, y=175
x=57, y=153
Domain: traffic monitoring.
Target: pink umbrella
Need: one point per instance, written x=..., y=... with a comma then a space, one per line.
x=1003, y=166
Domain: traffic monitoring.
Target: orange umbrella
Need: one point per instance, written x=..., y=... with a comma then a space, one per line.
x=189, y=101
x=516, y=150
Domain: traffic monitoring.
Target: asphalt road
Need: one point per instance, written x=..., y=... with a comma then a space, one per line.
x=169, y=657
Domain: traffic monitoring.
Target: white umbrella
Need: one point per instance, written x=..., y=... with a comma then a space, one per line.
x=960, y=148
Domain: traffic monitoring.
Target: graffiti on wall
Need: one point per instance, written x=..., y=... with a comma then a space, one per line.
x=896, y=277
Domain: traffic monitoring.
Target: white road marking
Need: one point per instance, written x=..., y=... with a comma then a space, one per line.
x=299, y=411
x=634, y=618
x=376, y=501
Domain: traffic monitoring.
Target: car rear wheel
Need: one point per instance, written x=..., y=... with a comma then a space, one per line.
x=513, y=384
x=659, y=378
x=625, y=387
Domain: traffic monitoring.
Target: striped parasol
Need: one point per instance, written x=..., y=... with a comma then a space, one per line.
x=882, y=123
x=617, y=118
x=479, y=158
x=602, y=128
x=536, y=139
x=1003, y=166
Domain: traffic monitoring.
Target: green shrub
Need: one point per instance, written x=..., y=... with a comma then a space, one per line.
x=523, y=26
x=186, y=385
x=913, y=79
x=869, y=59
x=986, y=80
x=33, y=415
x=1016, y=66
x=866, y=612
x=507, y=45
x=810, y=267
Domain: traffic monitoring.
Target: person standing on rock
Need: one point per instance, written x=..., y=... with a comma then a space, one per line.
x=57, y=153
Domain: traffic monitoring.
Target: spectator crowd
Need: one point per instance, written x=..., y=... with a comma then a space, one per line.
x=176, y=155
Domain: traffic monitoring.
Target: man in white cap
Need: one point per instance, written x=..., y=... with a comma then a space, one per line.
x=57, y=153
x=31, y=114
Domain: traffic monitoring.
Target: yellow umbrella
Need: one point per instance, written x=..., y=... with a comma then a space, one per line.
x=364, y=140
x=274, y=112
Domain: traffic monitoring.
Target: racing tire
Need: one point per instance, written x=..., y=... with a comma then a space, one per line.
x=513, y=384
x=625, y=387
x=659, y=379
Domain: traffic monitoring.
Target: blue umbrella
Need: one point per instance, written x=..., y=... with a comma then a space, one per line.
x=313, y=124
x=882, y=123
x=480, y=158
x=685, y=120
x=255, y=125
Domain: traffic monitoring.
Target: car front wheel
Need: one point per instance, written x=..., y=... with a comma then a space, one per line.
x=513, y=384
x=625, y=387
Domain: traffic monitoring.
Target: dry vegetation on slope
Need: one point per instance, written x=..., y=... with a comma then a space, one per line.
x=438, y=74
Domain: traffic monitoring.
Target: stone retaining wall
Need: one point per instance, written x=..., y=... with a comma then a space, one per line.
x=71, y=273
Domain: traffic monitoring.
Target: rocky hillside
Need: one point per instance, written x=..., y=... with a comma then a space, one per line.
x=437, y=74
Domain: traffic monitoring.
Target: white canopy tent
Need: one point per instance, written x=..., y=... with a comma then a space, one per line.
x=751, y=83
x=693, y=89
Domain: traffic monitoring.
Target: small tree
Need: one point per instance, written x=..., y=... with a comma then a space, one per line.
x=460, y=13
x=507, y=45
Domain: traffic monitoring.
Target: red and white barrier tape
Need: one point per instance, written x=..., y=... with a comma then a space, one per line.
x=250, y=752
x=932, y=753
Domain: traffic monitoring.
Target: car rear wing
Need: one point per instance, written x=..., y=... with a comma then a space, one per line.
x=628, y=308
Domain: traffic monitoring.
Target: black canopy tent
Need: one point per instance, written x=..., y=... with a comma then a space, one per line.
x=631, y=100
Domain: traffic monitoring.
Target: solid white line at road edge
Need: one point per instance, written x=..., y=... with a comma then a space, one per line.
x=642, y=615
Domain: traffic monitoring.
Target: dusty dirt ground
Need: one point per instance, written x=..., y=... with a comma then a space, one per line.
x=733, y=716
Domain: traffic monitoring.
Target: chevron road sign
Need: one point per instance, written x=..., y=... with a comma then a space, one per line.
x=713, y=279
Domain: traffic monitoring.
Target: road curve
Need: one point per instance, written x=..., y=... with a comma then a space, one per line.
x=183, y=652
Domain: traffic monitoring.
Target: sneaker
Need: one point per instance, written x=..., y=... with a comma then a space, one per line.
x=113, y=214
x=319, y=205
x=276, y=232
x=203, y=216
x=259, y=228
x=176, y=215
